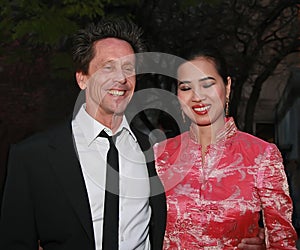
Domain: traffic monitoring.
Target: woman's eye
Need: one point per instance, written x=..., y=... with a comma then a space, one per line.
x=207, y=85
x=184, y=88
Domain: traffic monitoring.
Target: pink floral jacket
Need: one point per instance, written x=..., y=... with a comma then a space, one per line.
x=215, y=202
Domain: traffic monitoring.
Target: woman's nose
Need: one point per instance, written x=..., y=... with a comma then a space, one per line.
x=198, y=96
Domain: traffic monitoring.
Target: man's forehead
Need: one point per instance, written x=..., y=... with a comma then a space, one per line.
x=113, y=49
x=111, y=43
x=123, y=59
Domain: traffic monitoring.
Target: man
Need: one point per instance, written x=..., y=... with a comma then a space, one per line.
x=55, y=187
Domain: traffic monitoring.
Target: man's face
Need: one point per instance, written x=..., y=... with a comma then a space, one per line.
x=110, y=81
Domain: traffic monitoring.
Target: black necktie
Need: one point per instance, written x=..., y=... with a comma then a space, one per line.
x=110, y=240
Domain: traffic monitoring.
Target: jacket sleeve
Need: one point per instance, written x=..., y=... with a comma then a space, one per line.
x=17, y=222
x=276, y=202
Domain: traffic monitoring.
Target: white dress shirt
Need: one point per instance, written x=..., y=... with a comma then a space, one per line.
x=134, y=209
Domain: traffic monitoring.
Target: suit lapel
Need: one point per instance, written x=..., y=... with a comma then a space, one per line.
x=157, y=199
x=143, y=141
x=146, y=145
x=65, y=163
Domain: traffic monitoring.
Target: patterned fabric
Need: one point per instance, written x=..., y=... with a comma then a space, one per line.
x=215, y=202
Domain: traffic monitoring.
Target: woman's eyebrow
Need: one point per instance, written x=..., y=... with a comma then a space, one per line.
x=200, y=80
x=206, y=78
x=183, y=82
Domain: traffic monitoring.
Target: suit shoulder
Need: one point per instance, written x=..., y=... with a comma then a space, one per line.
x=41, y=138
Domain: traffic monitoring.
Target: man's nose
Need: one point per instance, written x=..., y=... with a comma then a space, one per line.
x=120, y=76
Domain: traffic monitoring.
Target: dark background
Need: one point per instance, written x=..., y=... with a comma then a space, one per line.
x=37, y=81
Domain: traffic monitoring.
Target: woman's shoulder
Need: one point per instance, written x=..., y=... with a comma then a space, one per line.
x=254, y=143
x=166, y=154
x=170, y=145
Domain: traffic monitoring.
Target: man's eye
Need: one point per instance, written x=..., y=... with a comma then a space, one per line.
x=129, y=69
x=107, y=67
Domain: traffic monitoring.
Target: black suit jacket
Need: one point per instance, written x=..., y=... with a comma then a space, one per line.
x=45, y=197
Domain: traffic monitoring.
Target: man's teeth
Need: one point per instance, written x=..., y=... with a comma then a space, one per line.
x=201, y=109
x=116, y=92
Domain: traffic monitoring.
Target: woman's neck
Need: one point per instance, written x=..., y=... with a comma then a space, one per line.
x=206, y=135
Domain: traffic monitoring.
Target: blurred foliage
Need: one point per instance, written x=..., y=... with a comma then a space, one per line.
x=41, y=22
x=34, y=29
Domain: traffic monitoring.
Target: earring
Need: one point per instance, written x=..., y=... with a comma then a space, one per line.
x=227, y=107
x=183, y=116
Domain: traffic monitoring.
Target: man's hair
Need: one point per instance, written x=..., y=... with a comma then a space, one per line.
x=83, y=41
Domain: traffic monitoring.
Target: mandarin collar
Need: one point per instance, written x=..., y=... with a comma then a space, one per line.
x=225, y=133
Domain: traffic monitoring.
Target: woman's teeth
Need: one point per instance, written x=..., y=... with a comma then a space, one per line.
x=201, y=109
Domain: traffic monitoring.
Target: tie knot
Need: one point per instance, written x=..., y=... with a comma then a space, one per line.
x=111, y=139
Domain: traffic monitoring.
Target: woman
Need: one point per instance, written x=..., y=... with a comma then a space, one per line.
x=217, y=179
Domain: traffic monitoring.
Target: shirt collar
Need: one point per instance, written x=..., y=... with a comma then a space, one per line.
x=91, y=128
x=125, y=126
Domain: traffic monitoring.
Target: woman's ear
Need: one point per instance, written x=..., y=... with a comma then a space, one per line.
x=228, y=87
x=81, y=80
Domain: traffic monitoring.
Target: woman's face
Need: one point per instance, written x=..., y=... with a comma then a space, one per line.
x=202, y=92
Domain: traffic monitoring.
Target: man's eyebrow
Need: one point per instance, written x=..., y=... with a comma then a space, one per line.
x=115, y=61
x=128, y=62
x=109, y=61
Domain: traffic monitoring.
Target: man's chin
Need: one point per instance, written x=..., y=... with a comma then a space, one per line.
x=119, y=111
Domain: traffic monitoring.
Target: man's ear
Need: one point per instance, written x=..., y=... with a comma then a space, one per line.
x=81, y=80
x=228, y=87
